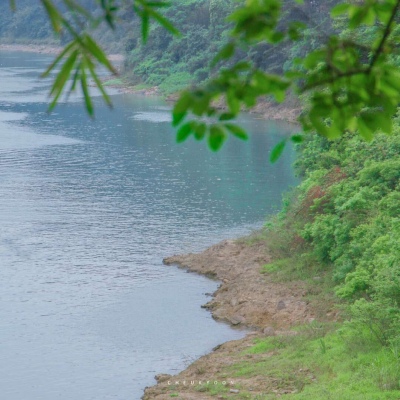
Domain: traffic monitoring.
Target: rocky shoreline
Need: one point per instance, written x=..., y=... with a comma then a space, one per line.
x=245, y=298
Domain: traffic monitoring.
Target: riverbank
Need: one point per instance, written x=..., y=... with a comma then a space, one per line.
x=289, y=111
x=47, y=49
x=246, y=298
x=299, y=346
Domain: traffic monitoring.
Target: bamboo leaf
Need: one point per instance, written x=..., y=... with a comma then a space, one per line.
x=163, y=22
x=98, y=53
x=145, y=26
x=85, y=90
x=277, y=151
x=62, y=78
x=100, y=86
x=58, y=59
x=54, y=15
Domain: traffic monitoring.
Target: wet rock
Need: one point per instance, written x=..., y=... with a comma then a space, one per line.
x=237, y=320
x=269, y=331
x=234, y=302
x=162, y=377
x=281, y=305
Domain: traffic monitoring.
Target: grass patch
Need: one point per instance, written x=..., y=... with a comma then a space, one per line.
x=321, y=362
x=213, y=388
x=114, y=82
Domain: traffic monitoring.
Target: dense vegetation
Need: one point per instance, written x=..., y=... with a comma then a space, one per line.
x=28, y=22
x=339, y=232
x=174, y=62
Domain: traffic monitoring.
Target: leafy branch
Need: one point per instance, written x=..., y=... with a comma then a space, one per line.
x=345, y=92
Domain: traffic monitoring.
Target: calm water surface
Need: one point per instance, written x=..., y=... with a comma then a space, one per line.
x=88, y=210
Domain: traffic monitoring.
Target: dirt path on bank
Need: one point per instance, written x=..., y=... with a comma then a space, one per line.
x=245, y=298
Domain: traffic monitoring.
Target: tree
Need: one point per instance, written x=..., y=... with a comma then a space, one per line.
x=350, y=86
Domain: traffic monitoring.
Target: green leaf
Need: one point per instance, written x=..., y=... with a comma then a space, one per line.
x=58, y=58
x=184, y=132
x=237, y=131
x=199, y=130
x=364, y=130
x=200, y=104
x=233, y=102
x=277, y=151
x=226, y=116
x=314, y=58
x=98, y=53
x=225, y=53
x=75, y=78
x=100, y=86
x=181, y=108
x=297, y=138
x=177, y=118
x=276, y=37
x=216, y=138
x=54, y=15
x=85, y=90
x=75, y=7
x=340, y=9
x=62, y=78
x=163, y=22
x=145, y=26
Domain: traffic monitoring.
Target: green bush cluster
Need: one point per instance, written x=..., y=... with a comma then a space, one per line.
x=345, y=216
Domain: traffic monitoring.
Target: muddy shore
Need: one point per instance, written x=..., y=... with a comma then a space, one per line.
x=245, y=298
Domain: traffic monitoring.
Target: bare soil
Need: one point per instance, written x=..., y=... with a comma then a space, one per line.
x=245, y=298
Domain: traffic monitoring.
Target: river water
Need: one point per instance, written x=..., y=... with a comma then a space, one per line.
x=88, y=210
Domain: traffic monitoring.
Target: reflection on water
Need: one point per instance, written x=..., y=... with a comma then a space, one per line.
x=88, y=211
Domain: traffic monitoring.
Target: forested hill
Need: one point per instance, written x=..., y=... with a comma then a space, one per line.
x=174, y=62
x=29, y=23
x=168, y=61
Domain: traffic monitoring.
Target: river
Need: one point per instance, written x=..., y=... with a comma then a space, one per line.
x=88, y=210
